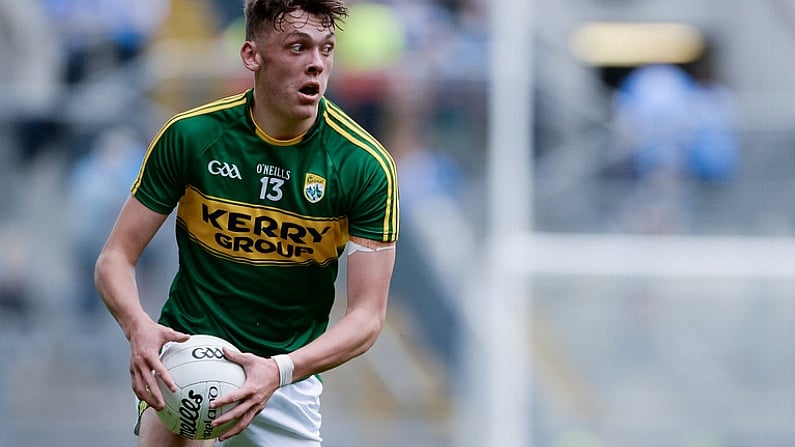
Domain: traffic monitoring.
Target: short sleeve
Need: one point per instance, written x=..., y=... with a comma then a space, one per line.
x=375, y=207
x=163, y=175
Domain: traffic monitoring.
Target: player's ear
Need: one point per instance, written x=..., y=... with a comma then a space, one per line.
x=249, y=55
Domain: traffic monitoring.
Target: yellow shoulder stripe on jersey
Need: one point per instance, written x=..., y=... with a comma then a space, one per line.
x=220, y=104
x=373, y=147
x=391, y=218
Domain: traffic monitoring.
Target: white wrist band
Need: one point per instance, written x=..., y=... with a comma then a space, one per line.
x=285, y=364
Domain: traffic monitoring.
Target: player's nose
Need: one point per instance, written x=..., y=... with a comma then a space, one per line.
x=316, y=63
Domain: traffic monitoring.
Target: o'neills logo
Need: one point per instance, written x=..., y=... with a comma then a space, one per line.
x=259, y=234
x=212, y=413
x=189, y=409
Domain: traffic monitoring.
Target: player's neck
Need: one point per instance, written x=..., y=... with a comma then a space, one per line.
x=278, y=127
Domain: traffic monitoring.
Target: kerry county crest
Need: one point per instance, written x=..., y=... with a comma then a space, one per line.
x=314, y=187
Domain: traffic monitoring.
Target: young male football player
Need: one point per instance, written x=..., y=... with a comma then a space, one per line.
x=269, y=187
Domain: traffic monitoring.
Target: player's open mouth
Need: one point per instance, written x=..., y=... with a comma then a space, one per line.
x=310, y=90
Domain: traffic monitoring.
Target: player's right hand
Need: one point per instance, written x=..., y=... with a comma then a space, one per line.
x=146, y=341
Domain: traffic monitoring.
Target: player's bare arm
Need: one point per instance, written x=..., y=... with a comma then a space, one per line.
x=369, y=274
x=115, y=281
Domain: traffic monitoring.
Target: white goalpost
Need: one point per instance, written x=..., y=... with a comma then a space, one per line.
x=496, y=408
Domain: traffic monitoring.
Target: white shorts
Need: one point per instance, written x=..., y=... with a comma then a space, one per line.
x=290, y=419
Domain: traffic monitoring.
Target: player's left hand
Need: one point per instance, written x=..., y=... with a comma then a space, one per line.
x=262, y=380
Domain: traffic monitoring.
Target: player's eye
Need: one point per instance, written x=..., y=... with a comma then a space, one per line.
x=297, y=47
x=328, y=49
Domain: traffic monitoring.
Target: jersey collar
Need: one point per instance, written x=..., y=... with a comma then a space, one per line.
x=275, y=141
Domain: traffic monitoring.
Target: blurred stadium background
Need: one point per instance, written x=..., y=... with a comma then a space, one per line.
x=657, y=255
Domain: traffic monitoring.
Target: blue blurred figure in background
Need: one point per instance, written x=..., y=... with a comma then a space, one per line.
x=675, y=130
x=97, y=186
x=675, y=123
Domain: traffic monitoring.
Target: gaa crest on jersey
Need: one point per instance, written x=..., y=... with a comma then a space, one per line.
x=314, y=187
x=224, y=169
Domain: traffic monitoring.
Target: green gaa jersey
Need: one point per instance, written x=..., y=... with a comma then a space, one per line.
x=261, y=222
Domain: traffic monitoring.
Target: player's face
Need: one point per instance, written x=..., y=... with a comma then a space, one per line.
x=294, y=66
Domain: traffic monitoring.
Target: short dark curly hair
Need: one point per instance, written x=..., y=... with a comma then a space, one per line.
x=259, y=12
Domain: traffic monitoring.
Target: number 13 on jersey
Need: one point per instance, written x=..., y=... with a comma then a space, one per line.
x=271, y=188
